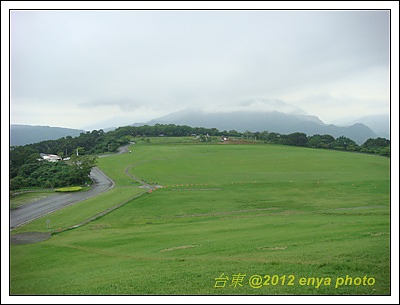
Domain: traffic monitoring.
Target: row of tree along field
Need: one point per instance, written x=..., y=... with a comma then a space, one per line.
x=26, y=171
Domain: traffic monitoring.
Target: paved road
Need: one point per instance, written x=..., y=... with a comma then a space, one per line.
x=60, y=200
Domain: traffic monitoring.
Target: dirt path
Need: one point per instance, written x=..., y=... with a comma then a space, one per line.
x=143, y=183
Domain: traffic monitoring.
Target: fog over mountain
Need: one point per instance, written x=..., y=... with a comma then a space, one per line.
x=264, y=115
x=257, y=114
x=380, y=124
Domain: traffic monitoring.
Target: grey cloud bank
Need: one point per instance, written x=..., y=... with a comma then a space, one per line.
x=77, y=68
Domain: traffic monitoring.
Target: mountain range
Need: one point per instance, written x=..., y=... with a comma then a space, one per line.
x=271, y=121
x=253, y=115
x=379, y=123
x=28, y=134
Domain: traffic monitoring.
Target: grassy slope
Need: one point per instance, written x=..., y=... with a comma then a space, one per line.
x=268, y=210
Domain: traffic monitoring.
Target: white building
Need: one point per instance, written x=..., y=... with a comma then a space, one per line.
x=50, y=157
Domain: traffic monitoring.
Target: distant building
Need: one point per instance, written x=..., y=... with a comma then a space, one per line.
x=50, y=157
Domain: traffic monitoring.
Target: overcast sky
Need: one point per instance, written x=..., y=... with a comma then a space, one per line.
x=78, y=68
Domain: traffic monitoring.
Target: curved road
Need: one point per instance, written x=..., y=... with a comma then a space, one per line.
x=57, y=201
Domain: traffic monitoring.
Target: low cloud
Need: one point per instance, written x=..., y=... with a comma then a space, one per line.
x=255, y=105
x=332, y=107
x=111, y=63
x=126, y=105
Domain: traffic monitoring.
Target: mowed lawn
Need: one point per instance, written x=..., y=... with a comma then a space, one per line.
x=230, y=219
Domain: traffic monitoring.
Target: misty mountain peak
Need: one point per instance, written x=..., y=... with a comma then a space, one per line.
x=257, y=105
x=271, y=105
x=260, y=115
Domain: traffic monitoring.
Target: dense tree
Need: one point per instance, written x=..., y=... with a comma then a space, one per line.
x=273, y=137
x=296, y=139
x=379, y=146
x=262, y=135
x=19, y=156
x=248, y=134
x=320, y=141
x=54, y=174
x=344, y=143
x=378, y=142
x=83, y=164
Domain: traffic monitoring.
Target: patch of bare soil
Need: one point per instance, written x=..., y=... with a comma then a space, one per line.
x=29, y=238
x=242, y=141
x=377, y=234
x=274, y=248
x=194, y=189
x=362, y=207
x=177, y=248
x=98, y=227
x=224, y=213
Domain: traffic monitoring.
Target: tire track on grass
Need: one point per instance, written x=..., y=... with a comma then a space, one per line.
x=143, y=183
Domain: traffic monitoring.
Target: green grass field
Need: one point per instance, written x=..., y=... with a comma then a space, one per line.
x=230, y=219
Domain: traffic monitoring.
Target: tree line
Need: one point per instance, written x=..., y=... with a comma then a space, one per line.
x=379, y=146
x=27, y=171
